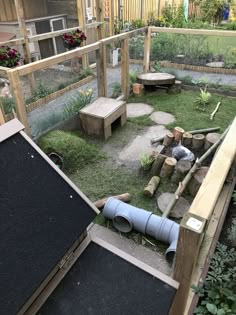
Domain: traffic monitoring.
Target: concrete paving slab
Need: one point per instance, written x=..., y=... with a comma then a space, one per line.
x=138, y=109
x=141, y=144
x=162, y=118
x=152, y=258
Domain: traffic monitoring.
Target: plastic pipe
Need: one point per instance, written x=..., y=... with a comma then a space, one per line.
x=126, y=217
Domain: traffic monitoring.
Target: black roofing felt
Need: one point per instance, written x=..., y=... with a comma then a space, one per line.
x=40, y=218
x=101, y=283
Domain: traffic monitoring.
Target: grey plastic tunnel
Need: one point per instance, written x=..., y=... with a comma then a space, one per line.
x=126, y=217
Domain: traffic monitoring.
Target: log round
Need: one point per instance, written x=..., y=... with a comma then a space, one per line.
x=157, y=164
x=180, y=208
x=168, y=167
x=156, y=79
x=175, y=88
x=169, y=137
x=187, y=139
x=198, y=141
x=181, y=169
x=178, y=133
x=150, y=189
x=197, y=180
x=211, y=138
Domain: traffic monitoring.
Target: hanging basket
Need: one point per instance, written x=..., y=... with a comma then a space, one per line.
x=70, y=47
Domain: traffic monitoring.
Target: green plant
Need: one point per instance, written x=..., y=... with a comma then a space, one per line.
x=173, y=15
x=41, y=91
x=230, y=58
x=218, y=296
x=138, y=23
x=154, y=20
x=203, y=99
x=146, y=161
x=232, y=233
x=78, y=101
x=118, y=25
x=9, y=57
x=75, y=151
x=74, y=38
x=8, y=104
x=157, y=66
x=116, y=89
x=212, y=11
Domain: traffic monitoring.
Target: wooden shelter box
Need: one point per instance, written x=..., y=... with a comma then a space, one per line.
x=49, y=262
x=97, y=118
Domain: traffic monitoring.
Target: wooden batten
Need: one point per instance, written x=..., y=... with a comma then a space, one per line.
x=147, y=47
x=208, y=193
x=125, y=67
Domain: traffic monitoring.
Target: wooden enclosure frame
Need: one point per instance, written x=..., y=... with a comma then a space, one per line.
x=199, y=222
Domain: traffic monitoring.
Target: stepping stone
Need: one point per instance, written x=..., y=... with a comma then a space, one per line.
x=142, y=144
x=215, y=64
x=162, y=118
x=138, y=109
x=180, y=208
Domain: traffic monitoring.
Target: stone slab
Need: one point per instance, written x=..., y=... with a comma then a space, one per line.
x=138, y=110
x=162, y=118
x=181, y=207
x=142, y=144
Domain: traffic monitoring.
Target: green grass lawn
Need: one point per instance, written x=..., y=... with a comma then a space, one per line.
x=221, y=44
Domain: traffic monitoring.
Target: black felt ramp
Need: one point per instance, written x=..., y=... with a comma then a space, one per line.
x=101, y=283
x=40, y=218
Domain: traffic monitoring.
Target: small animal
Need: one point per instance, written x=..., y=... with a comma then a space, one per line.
x=182, y=153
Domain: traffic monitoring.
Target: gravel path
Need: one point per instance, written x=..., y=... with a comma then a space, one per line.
x=42, y=118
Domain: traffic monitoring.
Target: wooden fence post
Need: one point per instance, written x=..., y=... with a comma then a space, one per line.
x=125, y=67
x=23, y=31
x=18, y=97
x=100, y=18
x=101, y=70
x=189, y=241
x=147, y=48
x=81, y=21
x=2, y=118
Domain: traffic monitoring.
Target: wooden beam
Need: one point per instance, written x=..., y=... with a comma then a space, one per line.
x=147, y=47
x=125, y=67
x=189, y=241
x=19, y=98
x=101, y=70
x=82, y=22
x=110, y=40
x=206, y=198
x=37, y=38
x=3, y=72
x=192, y=31
x=2, y=117
x=111, y=17
x=23, y=31
x=13, y=42
x=100, y=18
x=208, y=245
x=47, y=62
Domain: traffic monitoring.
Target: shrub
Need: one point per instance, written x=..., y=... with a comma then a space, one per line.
x=116, y=90
x=173, y=15
x=138, y=23
x=9, y=57
x=78, y=101
x=218, y=293
x=230, y=59
x=75, y=152
x=8, y=104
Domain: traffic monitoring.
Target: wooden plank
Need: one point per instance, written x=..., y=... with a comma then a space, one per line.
x=3, y=72
x=206, y=198
x=208, y=245
x=13, y=42
x=19, y=98
x=192, y=31
x=125, y=67
x=2, y=118
x=111, y=17
x=189, y=241
x=9, y=129
x=102, y=107
x=47, y=62
x=36, y=38
x=147, y=47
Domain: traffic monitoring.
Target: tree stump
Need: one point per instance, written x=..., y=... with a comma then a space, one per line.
x=150, y=189
x=198, y=141
x=211, y=138
x=175, y=88
x=169, y=137
x=181, y=169
x=197, y=180
x=180, y=208
x=157, y=164
x=178, y=133
x=168, y=167
x=187, y=139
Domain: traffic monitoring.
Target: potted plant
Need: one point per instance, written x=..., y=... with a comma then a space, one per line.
x=9, y=57
x=74, y=38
